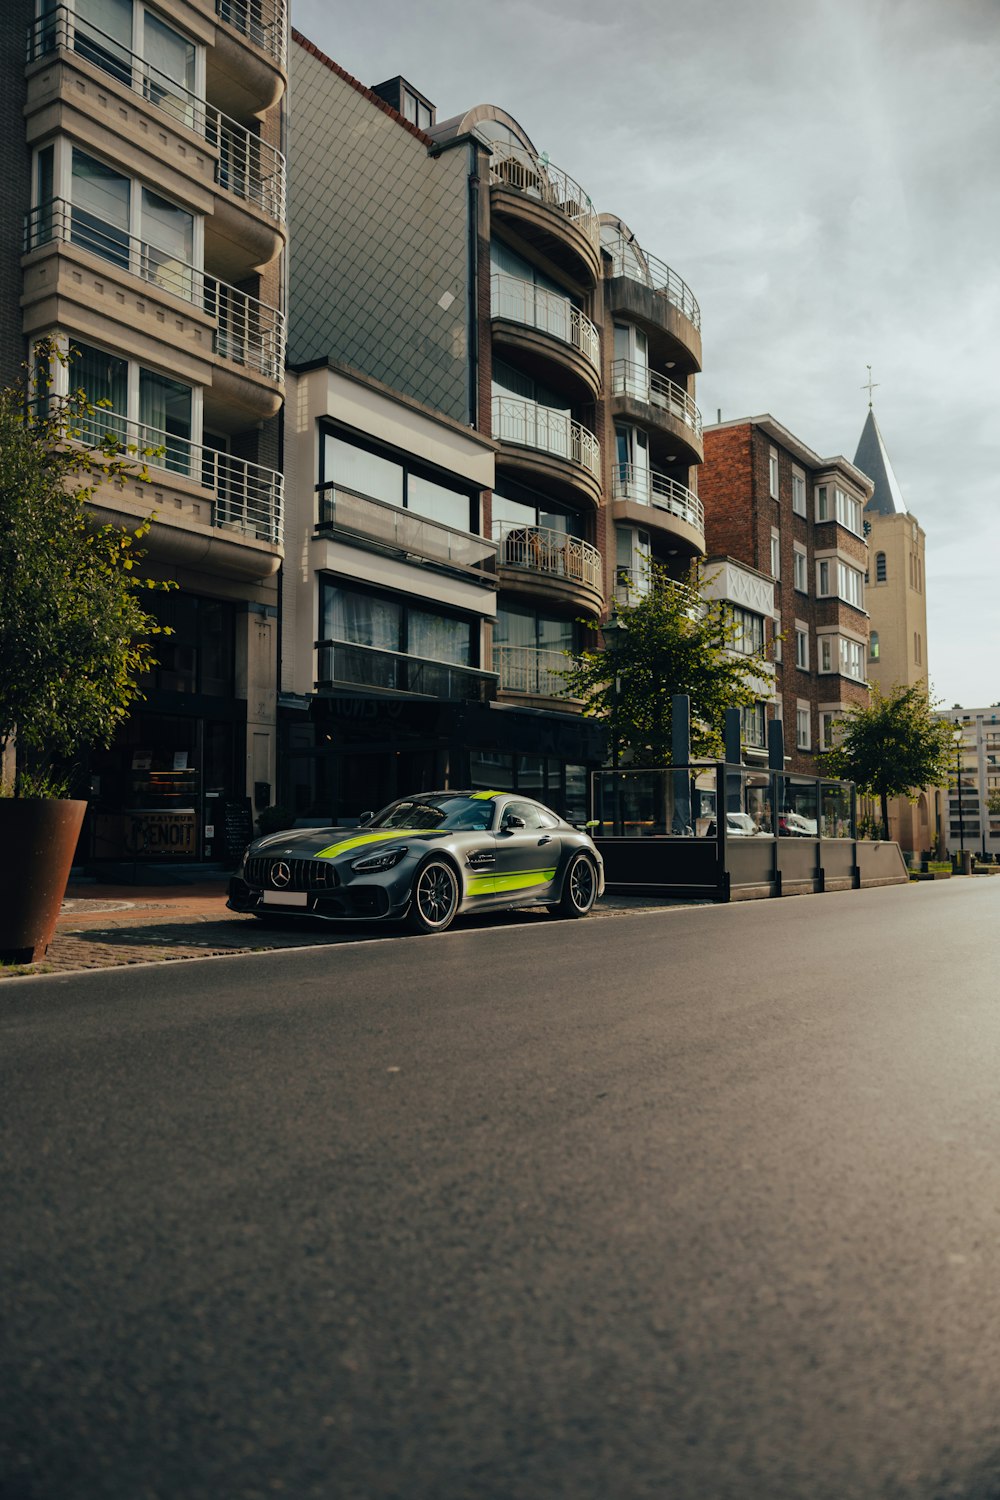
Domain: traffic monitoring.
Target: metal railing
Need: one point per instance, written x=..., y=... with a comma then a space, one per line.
x=531, y=425
x=513, y=167
x=343, y=509
x=247, y=332
x=647, y=487
x=247, y=167
x=343, y=663
x=524, y=302
x=629, y=378
x=263, y=22
x=630, y=260
x=525, y=669
x=246, y=497
x=540, y=549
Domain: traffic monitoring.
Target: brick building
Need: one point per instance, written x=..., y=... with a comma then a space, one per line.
x=772, y=503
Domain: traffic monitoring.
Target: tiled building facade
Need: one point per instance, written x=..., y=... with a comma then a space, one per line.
x=774, y=504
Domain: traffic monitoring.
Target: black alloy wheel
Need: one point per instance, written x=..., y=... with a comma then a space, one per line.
x=435, y=897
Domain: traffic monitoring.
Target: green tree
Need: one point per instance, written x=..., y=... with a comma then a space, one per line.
x=74, y=636
x=993, y=803
x=892, y=747
x=667, y=641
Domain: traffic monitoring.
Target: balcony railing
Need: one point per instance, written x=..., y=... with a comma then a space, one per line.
x=539, y=549
x=513, y=167
x=247, y=332
x=247, y=167
x=524, y=669
x=246, y=497
x=629, y=378
x=647, y=487
x=263, y=22
x=524, y=302
x=630, y=260
x=534, y=426
x=342, y=509
x=344, y=664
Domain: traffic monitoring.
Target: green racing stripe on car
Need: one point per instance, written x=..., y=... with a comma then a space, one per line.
x=483, y=796
x=489, y=885
x=370, y=838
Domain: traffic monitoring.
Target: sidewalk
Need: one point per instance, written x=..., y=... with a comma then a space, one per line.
x=111, y=926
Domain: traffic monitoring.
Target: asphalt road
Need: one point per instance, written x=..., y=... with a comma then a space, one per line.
x=689, y=1205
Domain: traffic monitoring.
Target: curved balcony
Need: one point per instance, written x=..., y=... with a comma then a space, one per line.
x=647, y=290
x=641, y=395
x=547, y=446
x=545, y=329
x=549, y=208
x=532, y=673
x=645, y=498
x=247, y=336
x=241, y=166
x=248, y=64
x=540, y=561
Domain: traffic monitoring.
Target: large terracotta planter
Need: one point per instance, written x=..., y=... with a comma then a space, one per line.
x=38, y=837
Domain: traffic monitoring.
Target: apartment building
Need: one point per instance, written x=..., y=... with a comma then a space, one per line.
x=778, y=507
x=144, y=189
x=453, y=266
x=974, y=783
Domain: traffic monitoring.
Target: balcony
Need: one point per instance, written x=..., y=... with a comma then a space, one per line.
x=538, y=560
x=246, y=335
x=343, y=511
x=647, y=290
x=264, y=23
x=247, y=67
x=550, y=210
x=549, y=328
x=340, y=664
x=645, y=498
x=640, y=394
x=547, y=446
x=240, y=164
x=532, y=673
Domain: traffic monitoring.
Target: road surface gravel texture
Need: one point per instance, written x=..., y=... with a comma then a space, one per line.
x=698, y=1205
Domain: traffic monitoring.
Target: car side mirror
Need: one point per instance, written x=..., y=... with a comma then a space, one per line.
x=512, y=821
x=366, y=817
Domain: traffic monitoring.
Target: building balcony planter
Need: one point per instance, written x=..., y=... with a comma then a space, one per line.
x=40, y=835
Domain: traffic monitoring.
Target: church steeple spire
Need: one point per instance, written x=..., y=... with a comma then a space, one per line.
x=872, y=459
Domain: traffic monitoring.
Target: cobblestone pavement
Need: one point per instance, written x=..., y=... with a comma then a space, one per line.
x=104, y=927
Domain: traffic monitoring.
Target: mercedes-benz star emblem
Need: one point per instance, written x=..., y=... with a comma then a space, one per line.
x=281, y=875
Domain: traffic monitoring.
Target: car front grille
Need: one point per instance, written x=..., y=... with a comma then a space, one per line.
x=305, y=874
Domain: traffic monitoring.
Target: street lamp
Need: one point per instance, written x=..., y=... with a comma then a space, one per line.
x=613, y=630
x=958, y=736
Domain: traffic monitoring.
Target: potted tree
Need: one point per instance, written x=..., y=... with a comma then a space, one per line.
x=74, y=637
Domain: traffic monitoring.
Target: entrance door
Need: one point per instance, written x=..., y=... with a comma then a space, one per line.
x=528, y=857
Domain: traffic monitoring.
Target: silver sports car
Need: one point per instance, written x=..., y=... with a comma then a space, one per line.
x=424, y=860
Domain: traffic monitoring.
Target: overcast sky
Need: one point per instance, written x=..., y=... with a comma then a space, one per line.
x=825, y=175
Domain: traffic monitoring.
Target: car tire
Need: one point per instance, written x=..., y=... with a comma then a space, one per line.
x=435, y=899
x=579, y=890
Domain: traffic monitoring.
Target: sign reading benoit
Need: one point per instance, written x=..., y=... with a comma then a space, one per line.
x=161, y=834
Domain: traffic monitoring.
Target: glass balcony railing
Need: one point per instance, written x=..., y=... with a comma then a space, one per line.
x=246, y=497
x=527, y=669
x=247, y=167
x=346, y=664
x=630, y=260
x=512, y=166
x=345, y=510
x=538, y=549
x=646, y=487
x=629, y=378
x=247, y=332
x=535, y=307
x=531, y=425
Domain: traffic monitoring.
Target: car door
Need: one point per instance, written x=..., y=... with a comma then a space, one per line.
x=527, y=857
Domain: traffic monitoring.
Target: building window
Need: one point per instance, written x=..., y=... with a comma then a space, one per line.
x=873, y=646
x=838, y=653
x=128, y=224
x=136, y=406
x=365, y=635
x=753, y=730
x=802, y=647
x=378, y=476
x=749, y=631
x=803, y=728
x=775, y=555
x=772, y=473
x=881, y=573
x=916, y=648
x=798, y=493
x=800, y=568
x=827, y=721
x=834, y=577
x=776, y=639
x=416, y=111
x=835, y=504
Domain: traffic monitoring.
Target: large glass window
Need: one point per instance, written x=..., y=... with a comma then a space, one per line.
x=131, y=225
x=749, y=628
x=385, y=624
x=835, y=504
x=104, y=378
x=165, y=414
x=106, y=37
x=101, y=209
x=437, y=503
x=172, y=60
x=379, y=477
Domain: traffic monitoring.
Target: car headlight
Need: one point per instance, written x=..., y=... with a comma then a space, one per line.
x=372, y=862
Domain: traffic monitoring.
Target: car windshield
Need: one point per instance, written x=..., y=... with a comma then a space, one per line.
x=436, y=812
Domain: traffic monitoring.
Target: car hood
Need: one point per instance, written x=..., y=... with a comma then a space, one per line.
x=331, y=843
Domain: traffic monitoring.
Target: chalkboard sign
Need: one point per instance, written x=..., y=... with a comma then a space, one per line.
x=237, y=827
